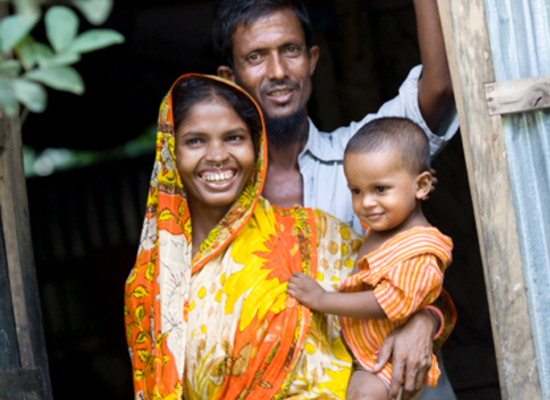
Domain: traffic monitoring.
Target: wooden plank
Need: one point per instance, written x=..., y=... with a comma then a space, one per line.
x=518, y=95
x=8, y=204
x=22, y=384
x=15, y=226
x=19, y=253
x=9, y=350
x=469, y=53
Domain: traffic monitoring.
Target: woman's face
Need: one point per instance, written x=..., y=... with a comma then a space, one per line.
x=214, y=154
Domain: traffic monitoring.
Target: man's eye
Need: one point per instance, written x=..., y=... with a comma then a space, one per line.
x=254, y=57
x=381, y=189
x=293, y=49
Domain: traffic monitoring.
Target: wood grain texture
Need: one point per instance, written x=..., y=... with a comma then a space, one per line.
x=468, y=49
x=19, y=255
x=9, y=349
x=518, y=95
x=10, y=227
x=22, y=384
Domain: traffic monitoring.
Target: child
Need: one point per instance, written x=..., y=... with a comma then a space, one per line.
x=402, y=258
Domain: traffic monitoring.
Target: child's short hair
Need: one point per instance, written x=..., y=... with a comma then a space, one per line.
x=394, y=133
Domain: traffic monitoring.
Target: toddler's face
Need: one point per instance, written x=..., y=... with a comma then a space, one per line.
x=385, y=195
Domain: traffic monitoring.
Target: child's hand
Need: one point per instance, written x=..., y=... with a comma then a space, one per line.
x=305, y=290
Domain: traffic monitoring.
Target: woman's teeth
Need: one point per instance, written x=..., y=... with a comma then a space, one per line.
x=218, y=178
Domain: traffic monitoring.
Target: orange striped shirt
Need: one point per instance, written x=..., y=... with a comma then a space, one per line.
x=406, y=274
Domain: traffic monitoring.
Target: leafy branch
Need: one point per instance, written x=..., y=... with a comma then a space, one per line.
x=22, y=78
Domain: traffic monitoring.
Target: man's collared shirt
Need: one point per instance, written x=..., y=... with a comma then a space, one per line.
x=321, y=160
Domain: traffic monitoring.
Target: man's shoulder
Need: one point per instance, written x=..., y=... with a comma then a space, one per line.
x=328, y=146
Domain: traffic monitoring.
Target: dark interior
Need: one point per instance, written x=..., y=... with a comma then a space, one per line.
x=86, y=222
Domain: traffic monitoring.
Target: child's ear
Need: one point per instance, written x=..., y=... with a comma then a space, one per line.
x=423, y=185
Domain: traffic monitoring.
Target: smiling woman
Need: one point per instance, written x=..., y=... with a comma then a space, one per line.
x=206, y=309
x=215, y=157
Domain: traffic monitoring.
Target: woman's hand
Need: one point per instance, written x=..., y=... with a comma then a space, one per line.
x=305, y=290
x=410, y=348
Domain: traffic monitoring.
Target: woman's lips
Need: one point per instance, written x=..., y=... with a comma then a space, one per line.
x=217, y=178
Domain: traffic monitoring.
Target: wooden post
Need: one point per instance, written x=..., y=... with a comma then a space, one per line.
x=469, y=53
x=24, y=372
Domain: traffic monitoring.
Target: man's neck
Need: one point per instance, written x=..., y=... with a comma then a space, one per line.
x=284, y=158
x=284, y=186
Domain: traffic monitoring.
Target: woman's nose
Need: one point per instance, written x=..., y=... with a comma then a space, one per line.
x=217, y=153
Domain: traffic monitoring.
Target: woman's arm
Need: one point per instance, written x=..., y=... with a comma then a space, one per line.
x=361, y=305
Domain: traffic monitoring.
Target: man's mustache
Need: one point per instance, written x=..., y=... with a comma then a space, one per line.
x=274, y=85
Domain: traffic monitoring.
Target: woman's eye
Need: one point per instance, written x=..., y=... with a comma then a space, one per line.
x=192, y=142
x=234, y=138
x=380, y=189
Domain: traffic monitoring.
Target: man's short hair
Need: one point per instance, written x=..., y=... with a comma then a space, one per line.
x=399, y=134
x=231, y=13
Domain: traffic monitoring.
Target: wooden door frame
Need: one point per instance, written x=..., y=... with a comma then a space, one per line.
x=469, y=53
x=24, y=371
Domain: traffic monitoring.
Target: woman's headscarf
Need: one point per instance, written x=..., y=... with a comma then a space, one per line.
x=157, y=291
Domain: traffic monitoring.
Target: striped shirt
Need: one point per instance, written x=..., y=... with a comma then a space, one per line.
x=406, y=274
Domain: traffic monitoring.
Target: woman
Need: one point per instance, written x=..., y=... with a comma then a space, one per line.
x=206, y=309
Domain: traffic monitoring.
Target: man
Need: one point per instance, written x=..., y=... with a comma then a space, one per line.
x=266, y=46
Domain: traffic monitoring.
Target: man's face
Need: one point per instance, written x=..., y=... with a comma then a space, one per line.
x=272, y=63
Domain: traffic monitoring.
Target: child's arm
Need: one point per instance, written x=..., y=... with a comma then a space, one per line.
x=354, y=305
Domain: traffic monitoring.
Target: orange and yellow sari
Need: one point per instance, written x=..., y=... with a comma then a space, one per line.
x=218, y=324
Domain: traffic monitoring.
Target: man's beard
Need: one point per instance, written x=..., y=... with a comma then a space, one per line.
x=284, y=131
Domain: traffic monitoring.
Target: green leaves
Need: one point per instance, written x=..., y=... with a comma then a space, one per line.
x=31, y=94
x=10, y=67
x=62, y=78
x=60, y=60
x=95, y=39
x=26, y=52
x=44, y=64
x=14, y=28
x=95, y=11
x=7, y=96
x=61, y=27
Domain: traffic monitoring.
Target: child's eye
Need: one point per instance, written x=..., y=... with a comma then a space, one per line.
x=380, y=189
x=355, y=192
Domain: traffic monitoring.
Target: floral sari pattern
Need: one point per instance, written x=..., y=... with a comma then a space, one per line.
x=219, y=325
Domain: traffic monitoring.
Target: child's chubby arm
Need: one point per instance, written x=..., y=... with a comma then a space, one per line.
x=361, y=305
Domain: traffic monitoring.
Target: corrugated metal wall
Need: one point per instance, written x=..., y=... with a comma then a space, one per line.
x=520, y=42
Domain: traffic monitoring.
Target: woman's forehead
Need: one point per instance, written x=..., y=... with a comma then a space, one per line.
x=211, y=116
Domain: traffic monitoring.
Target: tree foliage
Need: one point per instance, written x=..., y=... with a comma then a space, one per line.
x=26, y=66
